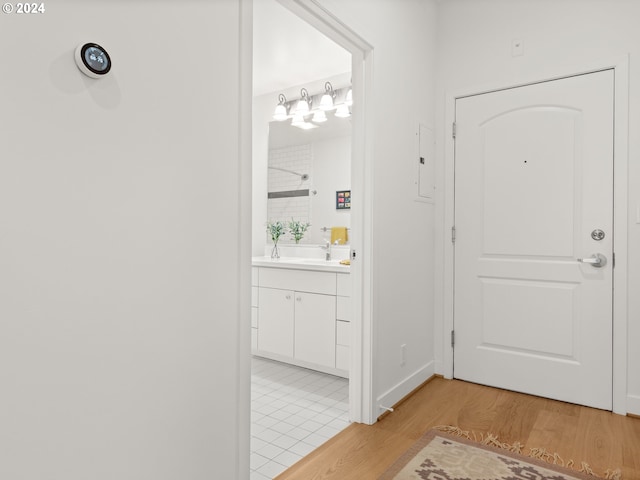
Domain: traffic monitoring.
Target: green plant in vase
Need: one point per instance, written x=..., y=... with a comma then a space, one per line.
x=297, y=229
x=276, y=230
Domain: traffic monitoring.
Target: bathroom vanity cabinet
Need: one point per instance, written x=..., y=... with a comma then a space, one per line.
x=301, y=317
x=297, y=324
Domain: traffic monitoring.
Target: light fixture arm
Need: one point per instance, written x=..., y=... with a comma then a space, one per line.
x=304, y=96
x=282, y=110
x=328, y=97
x=328, y=89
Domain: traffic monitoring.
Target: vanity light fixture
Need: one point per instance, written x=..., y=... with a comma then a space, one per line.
x=319, y=116
x=326, y=102
x=344, y=109
x=349, y=100
x=280, y=113
x=300, y=110
x=304, y=104
x=306, y=126
x=299, y=121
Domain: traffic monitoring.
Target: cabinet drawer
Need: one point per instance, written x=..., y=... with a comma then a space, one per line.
x=344, y=284
x=298, y=280
x=343, y=309
x=254, y=276
x=343, y=333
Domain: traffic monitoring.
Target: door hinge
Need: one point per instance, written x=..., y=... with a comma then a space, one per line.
x=613, y=260
x=453, y=130
x=453, y=338
x=453, y=234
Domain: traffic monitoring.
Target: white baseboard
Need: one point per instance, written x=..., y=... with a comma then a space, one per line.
x=404, y=388
x=633, y=404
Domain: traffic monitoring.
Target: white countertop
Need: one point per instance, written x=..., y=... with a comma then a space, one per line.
x=296, y=263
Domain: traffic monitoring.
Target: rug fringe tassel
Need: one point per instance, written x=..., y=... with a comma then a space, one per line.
x=542, y=454
x=585, y=468
x=538, y=453
x=613, y=474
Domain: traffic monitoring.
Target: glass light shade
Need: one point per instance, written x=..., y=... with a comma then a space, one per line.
x=280, y=113
x=349, y=99
x=343, y=111
x=319, y=116
x=302, y=107
x=326, y=102
x=306, y=125
x=298, y=119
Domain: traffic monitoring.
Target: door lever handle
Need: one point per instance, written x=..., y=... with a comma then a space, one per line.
x=596, y=260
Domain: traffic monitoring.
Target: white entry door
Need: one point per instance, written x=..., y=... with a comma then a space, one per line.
x=533, y=206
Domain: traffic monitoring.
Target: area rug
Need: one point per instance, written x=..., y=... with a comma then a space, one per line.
x=443, y=456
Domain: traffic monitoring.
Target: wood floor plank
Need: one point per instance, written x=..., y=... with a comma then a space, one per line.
x=596, y=442
x=518, y=414
x=556, y=431
x=630, y=455
x=363, y=452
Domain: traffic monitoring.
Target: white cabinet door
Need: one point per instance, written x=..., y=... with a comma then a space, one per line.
x=275, y=319
x=315, y=328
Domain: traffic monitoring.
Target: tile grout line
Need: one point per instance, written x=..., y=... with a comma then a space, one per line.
x=316, y=405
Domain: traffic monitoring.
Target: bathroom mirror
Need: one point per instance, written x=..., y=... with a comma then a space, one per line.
x=306, y=168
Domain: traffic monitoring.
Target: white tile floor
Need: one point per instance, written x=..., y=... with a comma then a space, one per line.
x=293, y=411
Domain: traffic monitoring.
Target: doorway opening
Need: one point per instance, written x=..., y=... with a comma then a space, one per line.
x=312, y=182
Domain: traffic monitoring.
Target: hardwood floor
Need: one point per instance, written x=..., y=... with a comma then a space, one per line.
x=361, y=452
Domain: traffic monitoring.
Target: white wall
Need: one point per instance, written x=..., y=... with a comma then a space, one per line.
x=402, y=33
x=474, y=42
x=331, y=172
x=122, y=354
x=294, y=158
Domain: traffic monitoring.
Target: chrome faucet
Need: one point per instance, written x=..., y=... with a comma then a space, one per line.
x=327, y=247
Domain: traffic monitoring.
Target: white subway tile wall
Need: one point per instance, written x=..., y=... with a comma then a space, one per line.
x=296, y=158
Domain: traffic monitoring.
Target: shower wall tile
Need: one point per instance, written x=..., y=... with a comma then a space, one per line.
x=297, y=158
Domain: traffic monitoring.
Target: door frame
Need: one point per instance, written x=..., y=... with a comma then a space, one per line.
x=620, y=67
x=361, y=399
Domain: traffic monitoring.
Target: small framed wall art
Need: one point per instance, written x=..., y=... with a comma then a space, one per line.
x=343, y=199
